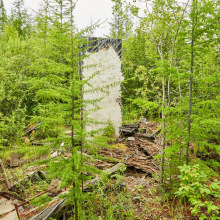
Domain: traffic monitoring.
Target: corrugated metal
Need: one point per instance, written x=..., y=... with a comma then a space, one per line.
x=94, y=44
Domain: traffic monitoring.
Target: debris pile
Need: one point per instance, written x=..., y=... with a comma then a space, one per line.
x=137, y=147
x=134, y=151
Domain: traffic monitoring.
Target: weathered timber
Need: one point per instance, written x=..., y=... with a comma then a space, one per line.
x=91, y=183
x=135, y=125
x=126, y=131
x=48, y=211
x=142, y=164
x=53, y=188
x=145, y=151
x=152, y=136
x=15, y=160
x=129, y=129
x=57, y=209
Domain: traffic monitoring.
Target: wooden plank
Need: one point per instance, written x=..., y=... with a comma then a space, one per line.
x=14, y=160
x=53, y=187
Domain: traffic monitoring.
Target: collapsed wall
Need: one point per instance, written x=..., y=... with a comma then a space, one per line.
x=105, y=54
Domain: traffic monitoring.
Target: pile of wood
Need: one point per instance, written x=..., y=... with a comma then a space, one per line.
x=138, y=144
x=141, y=129
x=129, y=129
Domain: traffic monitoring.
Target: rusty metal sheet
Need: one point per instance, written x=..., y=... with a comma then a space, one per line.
x=7, y=196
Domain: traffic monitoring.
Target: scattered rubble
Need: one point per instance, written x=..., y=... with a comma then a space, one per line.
x=138, y=145
x=131, y=138
x=127, y=130
x=30, y=177
x=31, y=130
x=54, y=189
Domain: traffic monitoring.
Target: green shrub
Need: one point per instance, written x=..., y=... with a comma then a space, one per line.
x=194, y=188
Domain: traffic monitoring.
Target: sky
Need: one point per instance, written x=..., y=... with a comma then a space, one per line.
x=86, y=12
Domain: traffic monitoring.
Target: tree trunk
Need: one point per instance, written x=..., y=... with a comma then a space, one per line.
x=190, y=87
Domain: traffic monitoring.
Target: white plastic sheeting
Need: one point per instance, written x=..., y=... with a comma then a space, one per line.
x=108, y=63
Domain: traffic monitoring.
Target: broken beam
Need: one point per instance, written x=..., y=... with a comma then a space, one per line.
x=6, y=178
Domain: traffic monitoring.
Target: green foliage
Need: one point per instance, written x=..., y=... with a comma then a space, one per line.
x=194, y=188
x=40, y=85
x=109, y=130
x=3, y=16
x=14, y=99
x=121, y=25
x=156, y=66
x=110, y=200
x=20, y=18
x=146, y=106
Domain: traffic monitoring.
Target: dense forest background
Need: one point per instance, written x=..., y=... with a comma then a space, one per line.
x=171, y=64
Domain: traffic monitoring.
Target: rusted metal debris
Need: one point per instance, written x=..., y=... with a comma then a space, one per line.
x=17, y=211
x=8, y=196
x=8, y=208
x=136, y=154
x=24, y=203
x=6, y=178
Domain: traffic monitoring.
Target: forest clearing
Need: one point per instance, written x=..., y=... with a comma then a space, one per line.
x=123, y=126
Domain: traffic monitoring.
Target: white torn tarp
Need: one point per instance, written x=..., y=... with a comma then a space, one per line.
x=108, y=66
